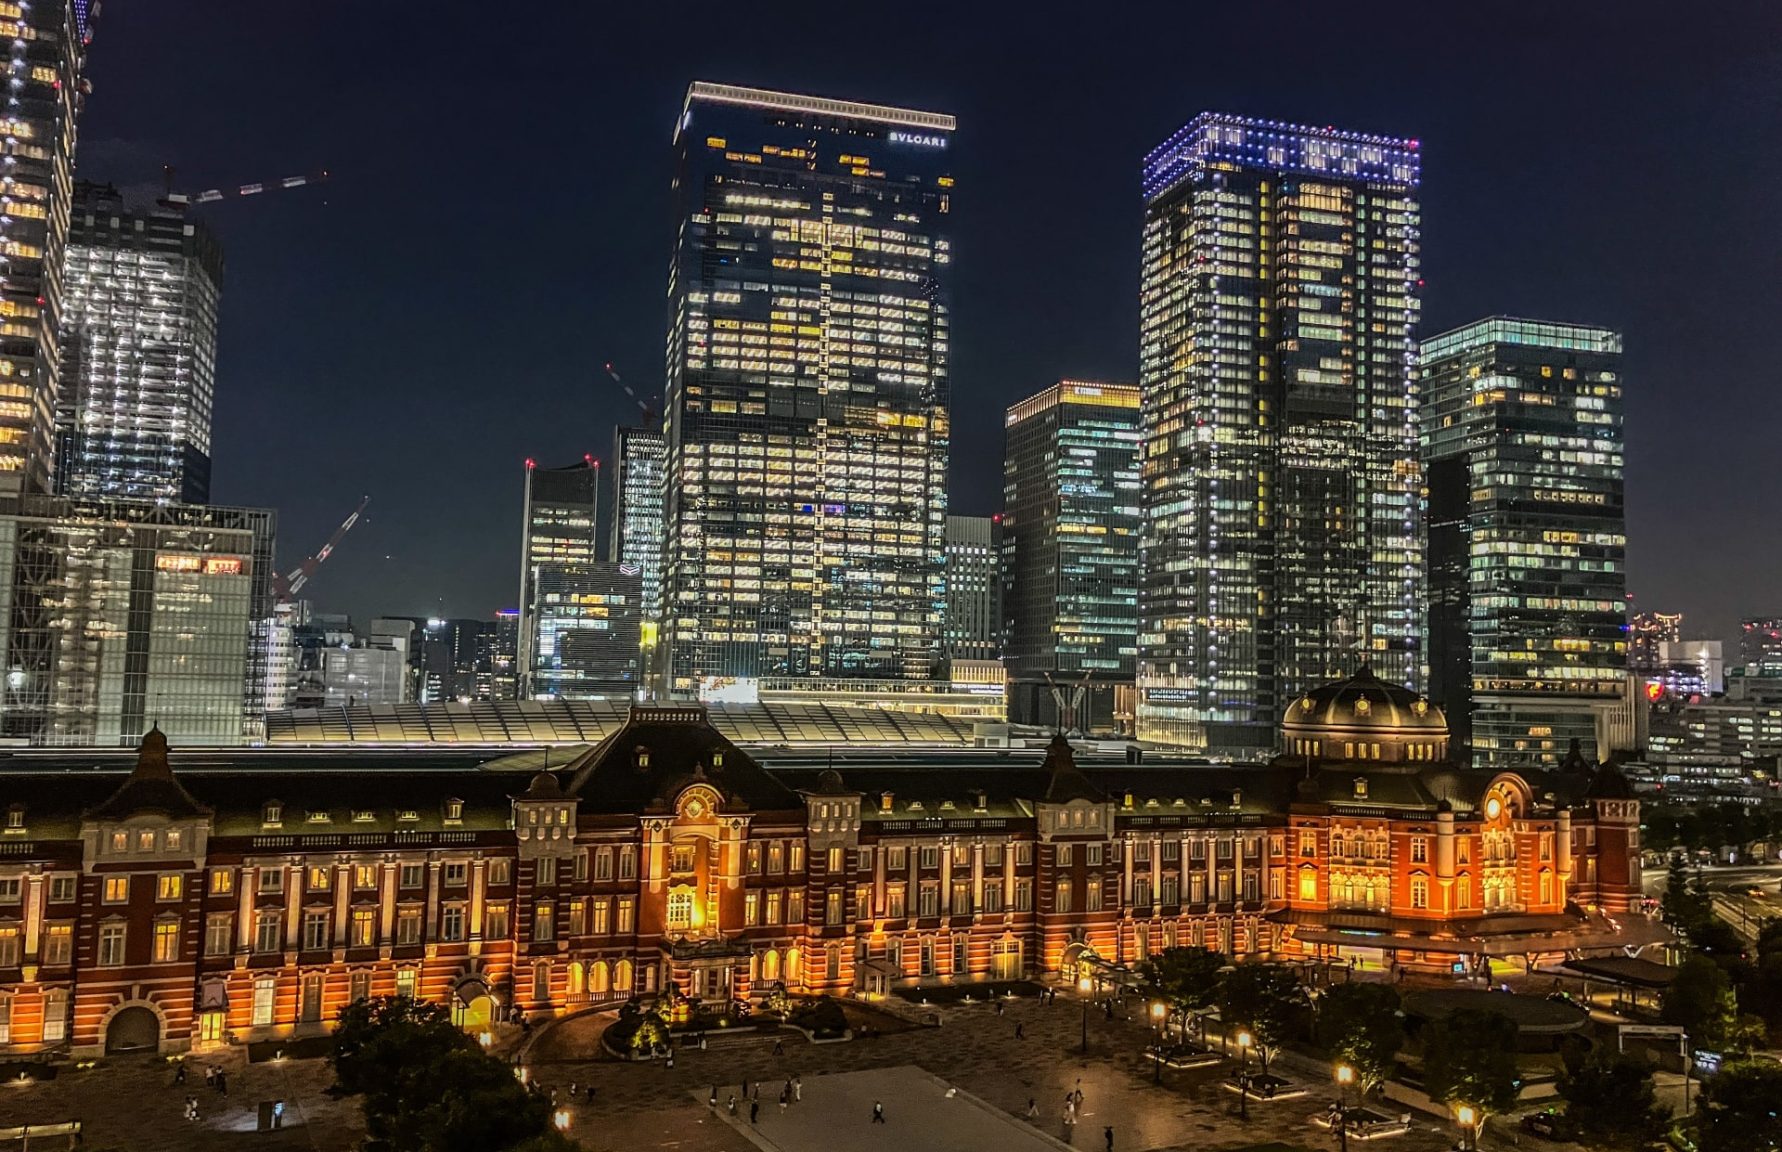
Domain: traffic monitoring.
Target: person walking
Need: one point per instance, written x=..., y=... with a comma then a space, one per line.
x=754, y=1110
x=222, y=1082
x=731, y=1104
x=797, y=1089
x=711, y=1100
x=878, y=1112
x=1032, y=1110
x=590, y=1093
x=179, y=1074
x=1019, y=1034
x=1109, y=1134
x=999, y=1008
x=745, y=1090
x=779, y=1047
x=785, y=1098
x=210, y=1075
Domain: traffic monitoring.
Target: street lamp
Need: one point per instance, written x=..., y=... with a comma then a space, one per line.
x=1084, y=987
x=1345, y=1076
x=1244, y=1041
x=1157, y=1042
x=1466, y=1116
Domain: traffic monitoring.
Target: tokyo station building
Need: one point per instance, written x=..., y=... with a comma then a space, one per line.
x=180, y=908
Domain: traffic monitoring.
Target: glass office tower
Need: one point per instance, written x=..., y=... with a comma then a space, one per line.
x=808, y=332
x=1527, y=537
x=560, y=520
x=1279, y=303
x=43, y=98
x=971, y=624
x=638, y=455
x=1070, y=544
x=139, y=349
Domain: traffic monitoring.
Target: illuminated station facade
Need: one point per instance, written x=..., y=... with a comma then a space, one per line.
x=229, y=903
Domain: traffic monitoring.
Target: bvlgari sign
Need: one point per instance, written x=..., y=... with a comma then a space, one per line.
x=920, y=140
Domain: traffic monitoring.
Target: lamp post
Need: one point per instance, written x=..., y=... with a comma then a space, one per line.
x=1466, y=1118
x=1157, y=1043
x=1244, y=1041
x=1345, y=1076
x=1084, y=987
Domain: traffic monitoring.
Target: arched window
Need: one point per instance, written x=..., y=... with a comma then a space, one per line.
x=599, y=979
x=622, y=976
x=770, y=966
x=791, y=965
x=577, y=978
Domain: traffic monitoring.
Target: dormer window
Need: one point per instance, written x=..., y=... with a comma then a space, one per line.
x=641, y=757
x=319, y=816
x=717, y=759
x=363, y=816
x=1361, y=787
x=407, y=816
x=454, y=811
x=272, y=814
x=15, y=819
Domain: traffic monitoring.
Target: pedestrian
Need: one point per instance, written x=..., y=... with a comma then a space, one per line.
x=191, y=1107
x=179, y=1073
x=1019, y=1034
x=713, y=1100
x=754, y=1110
x=731, y=1104
x=1109, y=1135
x=779, y=1047
x=210, y=1075
x=590, y=1093
x=797, y=1089
x=999, y=1007
x=669, y=1063
x=553, y=1095
x=1032, y=1109
x=222, y=1082
x=785, y=1098
x=572, y=1092
x=745, y=1091
x=878, y=1112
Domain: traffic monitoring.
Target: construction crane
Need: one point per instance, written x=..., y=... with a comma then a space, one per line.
x=286, y=587
x=213, y=194
x=644, y=406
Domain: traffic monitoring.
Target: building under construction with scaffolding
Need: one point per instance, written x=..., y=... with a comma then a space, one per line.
x=125, y=614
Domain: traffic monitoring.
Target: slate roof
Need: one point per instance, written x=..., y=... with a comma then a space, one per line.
x=661, y=750
x=150, y=787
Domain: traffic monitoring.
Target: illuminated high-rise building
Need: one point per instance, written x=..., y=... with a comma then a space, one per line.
x=1070, y=545
x=44, y=91
x=808, y=353
x=1527, y=537
x=1760, y=646
x=971, y=623
x=559, y=523
x=139, y=339
x=637, y=512
x=1279, y=303
x=1647, y=633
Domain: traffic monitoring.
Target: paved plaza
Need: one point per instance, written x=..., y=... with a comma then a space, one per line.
x=132, y=1104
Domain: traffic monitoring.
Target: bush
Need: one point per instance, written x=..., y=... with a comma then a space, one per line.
x=823, y=1019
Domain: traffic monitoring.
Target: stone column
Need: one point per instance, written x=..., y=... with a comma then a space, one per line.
x=386, y=927
x=430, y=913
x=878, y=880
x=946, y=879
x=294, y=878
x=1126, y=875
x=977, y=876
x=343, y=892
x=34, y=898
x=1156, y=869
x=244, y=928
x=478, y=890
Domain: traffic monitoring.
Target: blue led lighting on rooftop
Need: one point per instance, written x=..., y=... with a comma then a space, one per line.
x=1220, y=138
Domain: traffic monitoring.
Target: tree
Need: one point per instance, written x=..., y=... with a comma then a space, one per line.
x=1683, y=907
x=1609, y=1100
x=1265, y=999
x=427, y=1086
x=1470, y=1058
x=1738, y=1110
x=1186, y=978
x=1363, y=1028
x=1700, y=999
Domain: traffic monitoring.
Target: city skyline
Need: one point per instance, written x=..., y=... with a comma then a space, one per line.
x=1498, y=244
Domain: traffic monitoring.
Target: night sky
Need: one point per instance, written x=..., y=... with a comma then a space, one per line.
x=498, y=227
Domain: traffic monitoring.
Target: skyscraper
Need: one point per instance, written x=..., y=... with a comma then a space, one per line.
x=562, y=509
x=139, y=337
x=637, y=514
x=587, y=634
x=971, y=622
x=1070, y=543
x=43, y=98
x=1647, y=632
x=1279, y=301
x=1760, y=645
x=808, y=351
x=1528, y=599
x=125, y=614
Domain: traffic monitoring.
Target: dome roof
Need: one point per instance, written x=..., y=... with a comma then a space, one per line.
x=1364, y=705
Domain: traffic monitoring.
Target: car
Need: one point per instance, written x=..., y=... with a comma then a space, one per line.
x=1755, y=892
x=1543, y=1124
